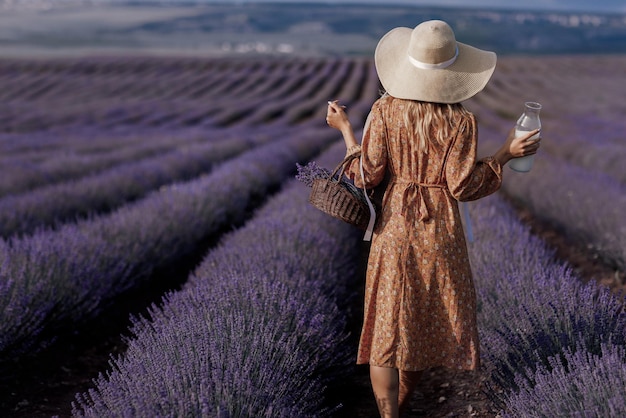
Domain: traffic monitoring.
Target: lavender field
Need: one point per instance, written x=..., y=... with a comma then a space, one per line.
x=155, y=198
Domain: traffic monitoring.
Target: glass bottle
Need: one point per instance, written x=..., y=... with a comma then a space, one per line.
x=529, y=121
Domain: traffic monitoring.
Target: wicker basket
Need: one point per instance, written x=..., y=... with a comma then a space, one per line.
x=339, y=198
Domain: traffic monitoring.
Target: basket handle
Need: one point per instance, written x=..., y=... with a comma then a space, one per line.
x=341, y=167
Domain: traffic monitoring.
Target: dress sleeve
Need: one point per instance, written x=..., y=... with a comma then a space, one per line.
x=373, y=151
x=468, y=179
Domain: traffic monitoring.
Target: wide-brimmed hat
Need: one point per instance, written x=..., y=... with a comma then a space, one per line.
x=428, y=64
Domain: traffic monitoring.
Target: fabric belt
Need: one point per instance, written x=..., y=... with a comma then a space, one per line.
x=413, y=198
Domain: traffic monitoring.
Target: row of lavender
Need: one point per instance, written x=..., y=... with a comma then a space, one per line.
x=554, y=346
x=111, y=188
x=55, y=280
x=258, y=330
x=39, y=159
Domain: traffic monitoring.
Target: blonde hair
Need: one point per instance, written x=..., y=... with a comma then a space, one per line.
x=426, y=121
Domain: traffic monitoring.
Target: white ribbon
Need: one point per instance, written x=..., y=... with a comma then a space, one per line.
x=370, y=226
x=428, y=66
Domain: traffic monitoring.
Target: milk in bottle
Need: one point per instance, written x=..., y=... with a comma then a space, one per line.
x=528, y=121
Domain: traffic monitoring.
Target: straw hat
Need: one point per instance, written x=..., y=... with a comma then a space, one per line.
x=428, y=64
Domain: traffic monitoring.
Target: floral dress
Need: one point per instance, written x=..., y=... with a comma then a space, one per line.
x=420, y=301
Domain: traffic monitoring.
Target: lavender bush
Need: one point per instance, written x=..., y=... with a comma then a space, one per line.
x=577, y=384
x=257, y=331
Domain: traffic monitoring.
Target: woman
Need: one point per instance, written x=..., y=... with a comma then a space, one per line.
x=420, y=301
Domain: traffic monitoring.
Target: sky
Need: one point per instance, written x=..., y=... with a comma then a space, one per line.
x=609, y=6
x=598, y=6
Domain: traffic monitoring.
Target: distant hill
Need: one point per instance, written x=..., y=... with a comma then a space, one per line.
x=309, y=29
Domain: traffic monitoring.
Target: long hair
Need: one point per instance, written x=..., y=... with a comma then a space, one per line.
x=427, y=121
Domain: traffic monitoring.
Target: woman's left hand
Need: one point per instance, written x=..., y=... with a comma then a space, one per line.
x=515, y=147
x=336, y=116
x=523, y=145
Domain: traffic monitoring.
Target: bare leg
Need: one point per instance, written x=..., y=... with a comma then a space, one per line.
x=408, y=382
x=385, y=383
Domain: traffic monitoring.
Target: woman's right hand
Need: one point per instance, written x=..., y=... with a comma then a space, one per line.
x=336, y=116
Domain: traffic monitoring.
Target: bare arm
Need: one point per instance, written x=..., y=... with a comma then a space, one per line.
x=337, y=118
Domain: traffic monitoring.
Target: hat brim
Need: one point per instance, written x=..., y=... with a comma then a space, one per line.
x=466, y=77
